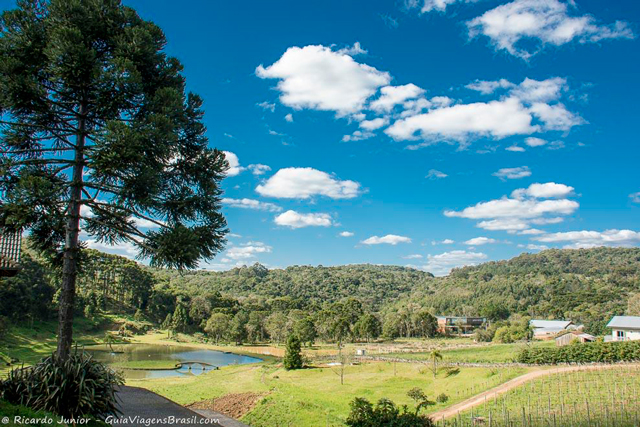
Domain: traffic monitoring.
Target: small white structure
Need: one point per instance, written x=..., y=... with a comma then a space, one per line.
x=548, y=329
x=624, y=328
x=361, y=352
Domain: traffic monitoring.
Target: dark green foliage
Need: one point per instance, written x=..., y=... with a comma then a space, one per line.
x=293, y=353
x=180, y=319
x=421, y=399
x=368, y=327
x=306, y=331
x=442, y=398
x=383, y=414
x=602, y=352
x=238, y=327
x=76, y=387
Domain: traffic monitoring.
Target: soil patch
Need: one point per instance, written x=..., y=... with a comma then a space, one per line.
x=234, y=405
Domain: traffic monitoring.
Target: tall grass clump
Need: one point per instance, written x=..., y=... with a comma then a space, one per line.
x=76, y=387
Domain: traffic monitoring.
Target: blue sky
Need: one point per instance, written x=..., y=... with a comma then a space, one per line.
x=432, y=133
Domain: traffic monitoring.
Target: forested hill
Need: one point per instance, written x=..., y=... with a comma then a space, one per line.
x=373, y=285
x=585, y=285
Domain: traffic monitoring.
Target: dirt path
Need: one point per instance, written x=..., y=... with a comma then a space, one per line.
x=490, y=394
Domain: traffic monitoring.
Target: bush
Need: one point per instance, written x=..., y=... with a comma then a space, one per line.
x=77, y=387
x=602, y=352
x=385, y=413
x=442, y=398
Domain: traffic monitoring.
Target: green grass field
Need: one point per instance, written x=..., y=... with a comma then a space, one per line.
x=492, y=353
x=607, y=397
x=311, y=397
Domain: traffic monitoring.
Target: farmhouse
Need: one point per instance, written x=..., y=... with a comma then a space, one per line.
x=9, y=252
x=455, y=324
x=624, y=328
x=548, y=329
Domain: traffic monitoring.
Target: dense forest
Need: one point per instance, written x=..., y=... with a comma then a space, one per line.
x=351, y=302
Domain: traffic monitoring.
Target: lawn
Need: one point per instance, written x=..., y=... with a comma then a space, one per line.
x=489, y=353
x=311, y=397
x=603, y=397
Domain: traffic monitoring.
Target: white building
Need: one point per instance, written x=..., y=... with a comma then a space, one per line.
x=624, y=328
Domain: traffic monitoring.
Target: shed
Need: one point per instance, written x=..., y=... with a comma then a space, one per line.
x=567, y=339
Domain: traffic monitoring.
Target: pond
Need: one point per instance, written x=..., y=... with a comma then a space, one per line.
x=150, y=356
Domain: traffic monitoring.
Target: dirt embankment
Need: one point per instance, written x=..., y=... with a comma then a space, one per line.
x=234, y=405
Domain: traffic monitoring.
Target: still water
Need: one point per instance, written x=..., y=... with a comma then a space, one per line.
x=173, y=354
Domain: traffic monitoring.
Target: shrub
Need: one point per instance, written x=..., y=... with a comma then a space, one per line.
x=385, y=413
x=442, y=398
x=76, y=387
x=607, y=352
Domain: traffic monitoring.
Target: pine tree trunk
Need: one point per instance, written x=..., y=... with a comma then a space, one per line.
x=71, y=248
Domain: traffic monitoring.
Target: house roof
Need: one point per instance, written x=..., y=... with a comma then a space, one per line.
x=550, y=324
x=628, y=322
x=10, y=249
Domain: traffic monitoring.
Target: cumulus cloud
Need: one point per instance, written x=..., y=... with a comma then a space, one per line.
x=413, y=256
x=590, y=239
x=270, y=106
x=234, y=163
x=515, y=148
x=478, y=241
x=513, y=173
x=533, y=247
x=532, y=141
x=486, y=87
x=635, y=197
x=358, y=136
x=259, y=169
x=389, y=239
x=434, y=5
x=540, y=23
x=436, y=174
x=374, y=124
x=295, y=219
x=289, y=118
x=346, y=234
x=319, y=78
x=544, y=191
x=303, y=183
x=442, y=264
x=390, y=96
x=251, y=204
x=538, y=204
x=247, y=251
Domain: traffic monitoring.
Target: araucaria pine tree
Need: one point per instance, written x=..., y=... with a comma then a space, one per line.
x=293, y=354
x=97, y=132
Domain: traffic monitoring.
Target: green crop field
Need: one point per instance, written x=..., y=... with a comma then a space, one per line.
x=605, y=397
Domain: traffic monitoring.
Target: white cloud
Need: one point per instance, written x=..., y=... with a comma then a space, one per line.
x=436, y=174
x=541, y=23
x=234, y=164
x=316, y=77
x=289, y=118
x=358, y=136
x=303, y=183
x=515, y=148
x=434, y=5
x=531, y=232
x=442, y=264
x=532, y=141
x=412, y=256
x=513, y=173
x=590, y=239
x=247, y=251
x=544, y=191
x=496, y=119
x=635, y=197
x=478, y=241
x=374, y=124
x=295, y=219
x=533, y=247
x=346, y=234
x=488, y=87
x=537, y=204
x=354, y=50
x=447, y=242
x=259, y=169
x=390, y=96
x=125, y=249
x=504, y=224
x=270, y=106
x=531, y=90
x=251, y=204
x=389, y=239
x=556, y=117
